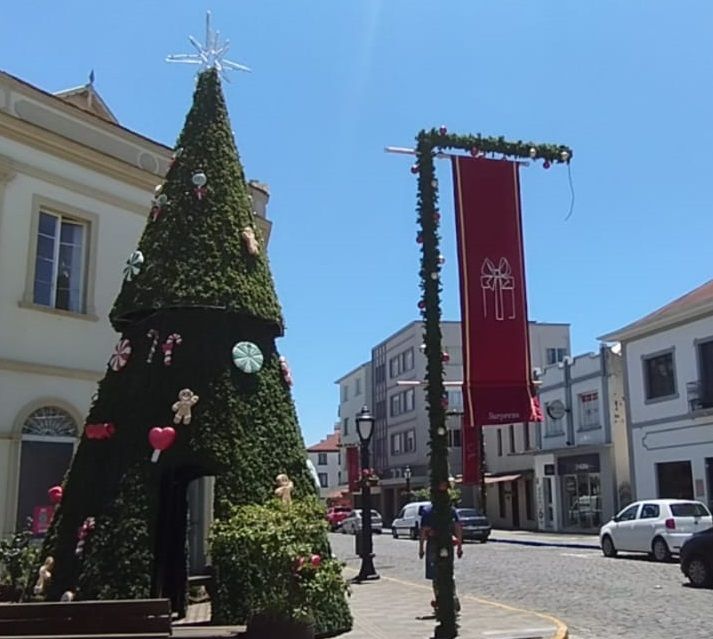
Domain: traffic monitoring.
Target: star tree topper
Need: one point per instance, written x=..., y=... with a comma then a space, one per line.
x=210, y=55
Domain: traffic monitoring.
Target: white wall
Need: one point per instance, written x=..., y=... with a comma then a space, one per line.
x=332, y=468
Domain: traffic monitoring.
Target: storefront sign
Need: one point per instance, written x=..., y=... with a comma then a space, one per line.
x=578, y=464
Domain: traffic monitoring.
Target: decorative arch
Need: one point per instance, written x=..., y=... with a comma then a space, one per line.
x=54, y=403
x=50, y=421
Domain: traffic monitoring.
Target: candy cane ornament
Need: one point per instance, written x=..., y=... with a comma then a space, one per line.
x=154, y=337
x=172, y=341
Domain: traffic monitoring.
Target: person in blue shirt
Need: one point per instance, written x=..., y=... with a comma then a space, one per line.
x=427, y=539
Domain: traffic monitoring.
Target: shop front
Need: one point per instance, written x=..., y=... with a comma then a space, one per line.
x=580, y=481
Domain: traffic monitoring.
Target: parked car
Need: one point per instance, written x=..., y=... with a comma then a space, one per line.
x=336, y=515
x=474, y=523
x=658, y=527
x=697, y=559
x=408, y=521
x=351, y=525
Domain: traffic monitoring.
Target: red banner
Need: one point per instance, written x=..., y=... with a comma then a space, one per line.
x=496, y=351
x=353, y=473
x=472, y=454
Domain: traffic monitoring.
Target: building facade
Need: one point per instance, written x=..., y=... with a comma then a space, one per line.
x=75, y=191
x=668, y=360
x=326, y=457
x=401, y=437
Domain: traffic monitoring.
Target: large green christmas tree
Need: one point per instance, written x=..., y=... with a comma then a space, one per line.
x=197, y=312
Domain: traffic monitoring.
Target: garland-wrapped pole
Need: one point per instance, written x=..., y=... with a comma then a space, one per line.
x=428, y=145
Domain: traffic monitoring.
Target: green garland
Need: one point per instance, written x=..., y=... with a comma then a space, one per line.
x=428, y=144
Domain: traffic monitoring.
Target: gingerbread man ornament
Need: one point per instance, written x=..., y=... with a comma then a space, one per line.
x=187, y=399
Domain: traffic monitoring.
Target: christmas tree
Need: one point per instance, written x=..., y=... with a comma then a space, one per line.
x=195, y=386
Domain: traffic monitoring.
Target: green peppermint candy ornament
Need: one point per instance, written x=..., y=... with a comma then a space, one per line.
x=247, y=357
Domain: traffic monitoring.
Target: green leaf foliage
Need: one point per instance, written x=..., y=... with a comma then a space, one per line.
x=265, y=552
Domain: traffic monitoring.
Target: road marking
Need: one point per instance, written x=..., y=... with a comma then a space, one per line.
x=575, y=554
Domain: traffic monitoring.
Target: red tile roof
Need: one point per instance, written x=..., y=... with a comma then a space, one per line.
x=329, y=445
x=698, y=297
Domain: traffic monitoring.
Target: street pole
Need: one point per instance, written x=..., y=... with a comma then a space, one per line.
x=365, y=427
x=407, y=475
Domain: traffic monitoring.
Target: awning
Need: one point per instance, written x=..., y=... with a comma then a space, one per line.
x=497, y=480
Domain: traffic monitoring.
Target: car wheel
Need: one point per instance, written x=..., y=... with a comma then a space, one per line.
x=699, y=573
x=608, y=546
x=394, y=532
x=413, y=533
x=659, y=550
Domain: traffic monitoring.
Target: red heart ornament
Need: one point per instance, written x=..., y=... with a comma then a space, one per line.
x=161, y=439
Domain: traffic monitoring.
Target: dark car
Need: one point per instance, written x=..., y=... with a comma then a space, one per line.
x=697, y=559
x=475, y=525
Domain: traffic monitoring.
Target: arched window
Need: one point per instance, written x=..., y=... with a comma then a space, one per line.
x=49, y=436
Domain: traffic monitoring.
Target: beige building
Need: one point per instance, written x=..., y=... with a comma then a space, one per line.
x=75, y=191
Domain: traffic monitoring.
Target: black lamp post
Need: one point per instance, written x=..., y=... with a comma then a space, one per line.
x=407, y=477
x=365, y=429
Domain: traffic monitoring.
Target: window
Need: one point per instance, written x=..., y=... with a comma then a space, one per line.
x=454, y=439
x=589, y=411
x=501, y=498
x=526, y=434
x=692, y=509
x=380, y=373
x=528, y=499
x=357, y=386
x=396, y=444
x=407, y=360
x=60, y=262
x=345, y=392
x=403, y=402
x=345, y=426
x=511, y=435
x=410, y=441
x=659, y=376
x=380, y=409
x=555, y=355
x=455, y=399
x=321, y=459
x=500, y=442
x=675, y=480
x=705, y=374
x=395, y=405
x=649, y=511
x=629, y=513
x=323, y=480
x=394, y=367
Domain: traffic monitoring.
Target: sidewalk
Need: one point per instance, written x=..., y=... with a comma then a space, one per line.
x=395, y=609
x=533, y=538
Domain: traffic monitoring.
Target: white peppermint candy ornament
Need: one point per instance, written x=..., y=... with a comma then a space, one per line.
x=133, y=265
x=247, y=357
x=120, y=356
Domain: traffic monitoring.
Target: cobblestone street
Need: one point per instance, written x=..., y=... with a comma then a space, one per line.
x=597, y=598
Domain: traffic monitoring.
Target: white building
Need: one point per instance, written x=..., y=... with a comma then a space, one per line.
x=326, y=456
x=668, y=358
x=75, y=191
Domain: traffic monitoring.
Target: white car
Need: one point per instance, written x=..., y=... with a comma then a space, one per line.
x=658, y=527
x=352, y=523
x=408, y=521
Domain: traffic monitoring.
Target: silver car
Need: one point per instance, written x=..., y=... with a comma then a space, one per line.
x=351, y=525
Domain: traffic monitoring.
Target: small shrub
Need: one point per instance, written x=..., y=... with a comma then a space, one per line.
x=275, y=560
x=17, y=558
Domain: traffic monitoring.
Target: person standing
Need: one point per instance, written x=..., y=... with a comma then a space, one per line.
x=427, y=545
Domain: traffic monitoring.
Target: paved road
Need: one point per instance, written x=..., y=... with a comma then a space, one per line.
x=597, y=598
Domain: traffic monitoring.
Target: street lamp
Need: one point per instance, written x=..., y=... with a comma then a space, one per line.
x=365, y=429
x=407, y=477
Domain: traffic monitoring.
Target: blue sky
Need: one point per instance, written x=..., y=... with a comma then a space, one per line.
x=628, y=85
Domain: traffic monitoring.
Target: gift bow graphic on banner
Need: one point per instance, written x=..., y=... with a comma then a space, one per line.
x=497, y=279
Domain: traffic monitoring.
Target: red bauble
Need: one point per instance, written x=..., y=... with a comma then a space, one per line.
x=445, y=357
x=475, y=152
x=546, y=164
x=437, y=216
x=419, y=239
x=422, y=304
x=442, y=130
x=315, y=560
x=55, y=494
x=444, y=402
x=414, y=168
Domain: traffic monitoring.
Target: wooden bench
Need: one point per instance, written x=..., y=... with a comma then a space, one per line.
x=150, y=618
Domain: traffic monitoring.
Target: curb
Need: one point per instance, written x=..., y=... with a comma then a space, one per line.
x=551, y=544
x=561, y=629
